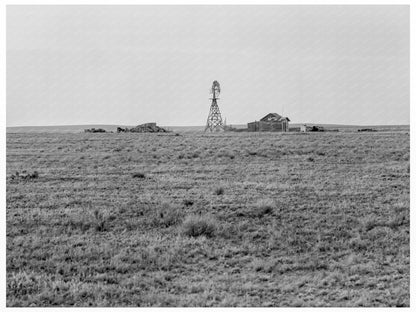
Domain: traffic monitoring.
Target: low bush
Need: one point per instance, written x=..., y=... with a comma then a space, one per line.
x=138, y=175
x=195, y=226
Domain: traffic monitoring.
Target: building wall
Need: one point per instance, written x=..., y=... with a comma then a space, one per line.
x=252, y=126
x=272, y=126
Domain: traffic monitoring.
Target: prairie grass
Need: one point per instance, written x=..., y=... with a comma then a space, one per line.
x=146, y=220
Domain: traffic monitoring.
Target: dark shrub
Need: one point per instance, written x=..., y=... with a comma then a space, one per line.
x=188, y=202
x=100, y=226
x=139, y=175
x=25, y=175
x=219, y=191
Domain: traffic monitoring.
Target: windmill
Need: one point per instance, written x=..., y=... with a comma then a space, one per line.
x=214, y=121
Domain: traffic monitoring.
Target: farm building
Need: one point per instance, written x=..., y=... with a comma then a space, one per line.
x=270, y=122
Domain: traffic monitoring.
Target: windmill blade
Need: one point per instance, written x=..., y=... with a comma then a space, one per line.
x=216, y=87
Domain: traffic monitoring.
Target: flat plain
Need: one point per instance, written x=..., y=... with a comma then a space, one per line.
x=194, y=219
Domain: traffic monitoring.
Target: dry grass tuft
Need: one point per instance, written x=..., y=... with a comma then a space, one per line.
x=167, y=215
x=264, y=207
x=219, y=191
x=195, y=225
x=100, y=221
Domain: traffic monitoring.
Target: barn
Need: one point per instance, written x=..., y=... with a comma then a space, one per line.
x=271, y=122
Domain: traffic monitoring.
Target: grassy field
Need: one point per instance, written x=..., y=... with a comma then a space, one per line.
x=231, y=219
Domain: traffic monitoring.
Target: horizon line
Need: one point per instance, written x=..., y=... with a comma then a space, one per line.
x=235, y=124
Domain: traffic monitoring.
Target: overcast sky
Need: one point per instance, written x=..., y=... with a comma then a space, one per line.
x=133, y=64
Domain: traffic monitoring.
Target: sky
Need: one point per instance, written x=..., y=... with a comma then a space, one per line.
x=127, y=65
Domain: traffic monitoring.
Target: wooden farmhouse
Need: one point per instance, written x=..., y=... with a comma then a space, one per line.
x=271, y=122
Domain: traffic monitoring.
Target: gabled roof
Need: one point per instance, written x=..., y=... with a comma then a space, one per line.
x=274, y=117
x=271, y=116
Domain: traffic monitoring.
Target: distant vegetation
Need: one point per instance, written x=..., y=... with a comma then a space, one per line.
x=94, y=130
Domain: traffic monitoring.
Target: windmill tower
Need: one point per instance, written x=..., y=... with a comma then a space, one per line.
x=214, y=121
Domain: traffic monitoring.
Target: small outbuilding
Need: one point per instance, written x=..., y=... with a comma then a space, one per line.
x=271, y=122
x=303, y=128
